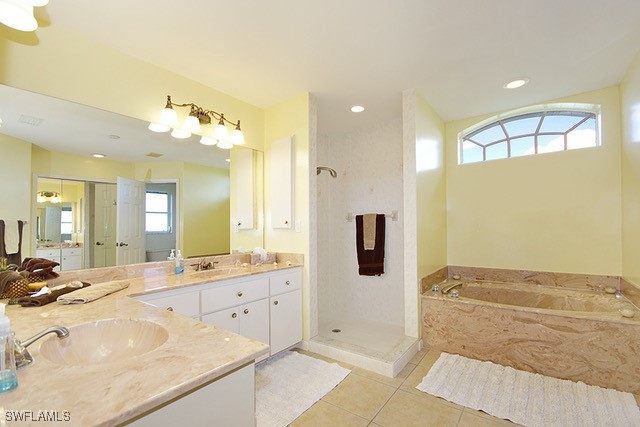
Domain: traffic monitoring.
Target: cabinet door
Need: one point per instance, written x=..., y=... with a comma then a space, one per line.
x=242, y=174
x=186, y=303
x=286, y=320
x=73, y=262
x=282, y=183
x=254, y=320
x=228, y=319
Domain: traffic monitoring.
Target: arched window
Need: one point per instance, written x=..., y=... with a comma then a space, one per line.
x=544, y=130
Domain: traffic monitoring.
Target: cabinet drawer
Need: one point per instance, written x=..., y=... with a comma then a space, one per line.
x=48, y=253
x=186, y=303
x=285, y=282
x=231, y=295
x=71, y=251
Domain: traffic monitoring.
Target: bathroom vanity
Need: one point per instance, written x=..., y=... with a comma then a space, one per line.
x=218, y=323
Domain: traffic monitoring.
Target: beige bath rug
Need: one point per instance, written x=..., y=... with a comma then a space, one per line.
x=290, y=383
x=526, y=398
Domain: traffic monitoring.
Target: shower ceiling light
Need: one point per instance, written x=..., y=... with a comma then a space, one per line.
x=198, y=118
x=514, y=84
x=357, y=108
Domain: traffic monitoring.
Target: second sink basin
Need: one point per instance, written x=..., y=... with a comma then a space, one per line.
x=104, y=341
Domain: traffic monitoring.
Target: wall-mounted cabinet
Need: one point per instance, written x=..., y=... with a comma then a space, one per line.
x=282, y=152
x=243, y=174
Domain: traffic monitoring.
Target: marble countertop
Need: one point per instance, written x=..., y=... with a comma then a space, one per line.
x=194, y=354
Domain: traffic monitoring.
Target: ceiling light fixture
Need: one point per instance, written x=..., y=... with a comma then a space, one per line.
x=357, y=108
x=18, y=14
x=194, y=122
x=98, y=155
x=48, y=196
x=514, y=84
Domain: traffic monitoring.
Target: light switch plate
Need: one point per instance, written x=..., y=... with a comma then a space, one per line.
x=298, y=226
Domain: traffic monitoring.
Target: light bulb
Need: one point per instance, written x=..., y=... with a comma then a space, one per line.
x=220, y=131
x=236, y=137
x=56, y=198
x=207, y=140
x=17, y=15
x=168, y=116
x=41, y=198
x=158, y=127
x=225, y=145
x=180, y=133
x=191, y=124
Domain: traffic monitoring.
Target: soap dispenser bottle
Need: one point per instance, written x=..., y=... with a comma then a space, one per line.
x=172, y=255
x=8, y=377
x=179, y=263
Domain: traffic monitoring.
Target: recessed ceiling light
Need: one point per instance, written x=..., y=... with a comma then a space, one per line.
x=113, y=136
x=516, y=83
x=98, y=155
x=357, y=108
x=227, y=160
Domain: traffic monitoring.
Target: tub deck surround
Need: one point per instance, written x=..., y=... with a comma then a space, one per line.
x=630, y=290
x=599, y=348
x=194, y=354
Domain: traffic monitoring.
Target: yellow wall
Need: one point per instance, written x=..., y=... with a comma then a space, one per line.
x=430, y=190
x=65, y=65
x=554, y=212
x=15, y=175
x=291, y=118
x=630, y=100
x=63, y=165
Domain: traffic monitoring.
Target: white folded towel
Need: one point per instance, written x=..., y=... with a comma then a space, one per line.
x=93, y=292
x=11, y=236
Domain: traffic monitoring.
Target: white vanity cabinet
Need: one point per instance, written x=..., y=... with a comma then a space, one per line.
x=68, y=258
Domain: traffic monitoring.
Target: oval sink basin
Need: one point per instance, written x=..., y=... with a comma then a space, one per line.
x=104, y=341
x=226, y=271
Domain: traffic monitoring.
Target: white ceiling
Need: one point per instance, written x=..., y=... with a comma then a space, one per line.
x=457, y=53
x=77, y=129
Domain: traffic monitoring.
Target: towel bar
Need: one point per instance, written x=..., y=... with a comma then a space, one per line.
x=393, y=215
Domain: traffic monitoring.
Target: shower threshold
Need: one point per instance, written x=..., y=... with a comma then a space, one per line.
x=376, y=347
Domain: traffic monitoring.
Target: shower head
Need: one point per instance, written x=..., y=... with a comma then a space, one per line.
x=333, y=173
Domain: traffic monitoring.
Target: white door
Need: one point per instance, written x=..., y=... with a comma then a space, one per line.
x=130, y=222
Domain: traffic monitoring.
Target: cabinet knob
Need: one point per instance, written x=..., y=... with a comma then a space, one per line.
x=287, y=283
x=239, y=224
x=286, y=222
x=246, y=311
x=234, y=315
x=239, y=294
x=169, y=308
x=99, y=243
x=275, y=302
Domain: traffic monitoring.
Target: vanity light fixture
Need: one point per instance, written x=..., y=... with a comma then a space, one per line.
x=98, y=155
x=48, y=196
x=357, y=108
x=18, y=14
x=514, y=84
x=198, y=118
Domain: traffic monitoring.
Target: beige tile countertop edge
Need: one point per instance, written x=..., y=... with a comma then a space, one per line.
x=194, y=354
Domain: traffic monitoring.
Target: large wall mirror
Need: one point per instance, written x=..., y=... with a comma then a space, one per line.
x=189, y=196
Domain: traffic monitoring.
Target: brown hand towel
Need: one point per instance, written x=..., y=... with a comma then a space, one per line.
x=370, y=263
x=47, y=299
x=83, y=296
x=369, y=231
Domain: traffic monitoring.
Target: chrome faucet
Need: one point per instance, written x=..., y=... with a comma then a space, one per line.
x=23, y=357
x=202, y=265
x=448, y=288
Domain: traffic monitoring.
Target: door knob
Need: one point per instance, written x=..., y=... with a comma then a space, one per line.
x=123, y=244
x=99, y=244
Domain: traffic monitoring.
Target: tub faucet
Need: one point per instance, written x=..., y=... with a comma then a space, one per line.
x=447, y=289
x=23, y=357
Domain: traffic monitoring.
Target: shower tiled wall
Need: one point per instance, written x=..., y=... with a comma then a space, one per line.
x=369, y=166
